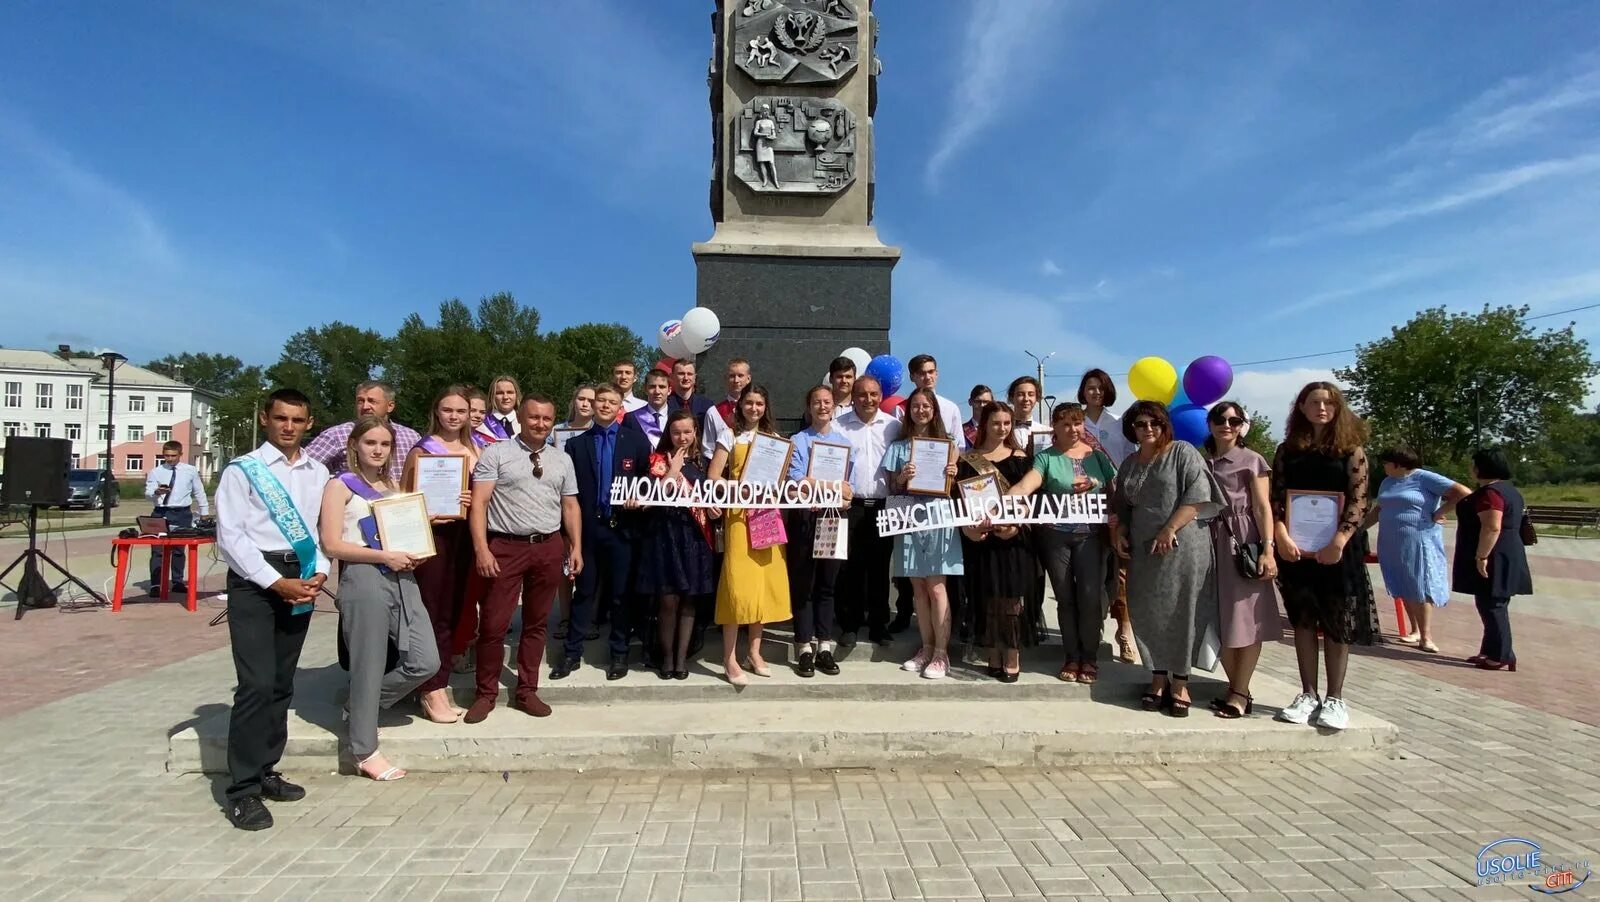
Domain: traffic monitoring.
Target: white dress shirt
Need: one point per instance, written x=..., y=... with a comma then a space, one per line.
x=184, y=480
x=245, y=529
x=652, y=421
x=631, y=403
x=711, y=432
x=868, y=443
x=1108, y=431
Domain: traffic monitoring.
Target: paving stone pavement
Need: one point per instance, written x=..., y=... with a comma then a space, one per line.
x=86, y=812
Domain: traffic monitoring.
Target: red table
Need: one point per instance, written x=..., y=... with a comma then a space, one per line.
x=192, y=544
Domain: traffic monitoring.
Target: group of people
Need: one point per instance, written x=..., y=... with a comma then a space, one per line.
x=1195, y=544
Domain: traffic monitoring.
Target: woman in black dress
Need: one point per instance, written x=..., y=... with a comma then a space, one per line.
x=675, y=553
x=1328, y=590
x=1491, y=563
x=999, y=564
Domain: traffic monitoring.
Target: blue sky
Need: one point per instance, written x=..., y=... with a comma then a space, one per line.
x=1099, y=180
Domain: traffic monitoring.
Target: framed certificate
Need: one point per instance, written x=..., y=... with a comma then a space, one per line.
x=440, y=479
x=403, y=524
x=982, y=495
x=828, y=462
x=1040, y=442
x=931, y=456
x=768, y=460
x=1312, y=519
x=564, y=435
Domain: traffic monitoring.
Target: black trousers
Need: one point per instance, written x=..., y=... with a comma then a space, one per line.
x=1495, y=612
x=606, y=551
x=812, y=583
x=177, y=518
x=266, y=642
x=864, y=599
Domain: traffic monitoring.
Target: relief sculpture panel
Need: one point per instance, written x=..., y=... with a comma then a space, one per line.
x=795, y=42
x=795, y=145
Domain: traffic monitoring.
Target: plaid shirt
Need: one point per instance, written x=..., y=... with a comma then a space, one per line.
x=329, y=448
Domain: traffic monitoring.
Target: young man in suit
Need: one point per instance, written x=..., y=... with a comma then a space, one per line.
x=609, y=449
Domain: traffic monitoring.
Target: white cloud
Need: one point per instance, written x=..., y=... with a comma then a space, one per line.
x=1272, y=392
x=1516, y=109
x=1049, y=268
x=1404, y=273
x=1007, y=44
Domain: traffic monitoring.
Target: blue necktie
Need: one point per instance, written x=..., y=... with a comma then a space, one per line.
x=604, y=444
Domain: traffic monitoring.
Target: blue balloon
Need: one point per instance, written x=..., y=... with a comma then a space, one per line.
x=1189, y=423
x=888, y=370
x=1181, y=399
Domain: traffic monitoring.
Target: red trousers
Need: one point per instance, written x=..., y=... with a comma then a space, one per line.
x=442, y=582
x=529, y=572
x=466, y=631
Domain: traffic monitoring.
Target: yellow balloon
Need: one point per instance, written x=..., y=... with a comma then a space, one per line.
x=1153, y=379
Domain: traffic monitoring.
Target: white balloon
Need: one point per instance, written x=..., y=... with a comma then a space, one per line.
x=700, y=330
x=859, y=357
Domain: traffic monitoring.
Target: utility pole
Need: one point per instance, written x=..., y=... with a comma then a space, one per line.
x=1040, y=362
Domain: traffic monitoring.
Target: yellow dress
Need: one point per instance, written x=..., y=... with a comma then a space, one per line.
x=754, y=587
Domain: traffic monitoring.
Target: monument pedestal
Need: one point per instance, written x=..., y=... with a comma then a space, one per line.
x=790, y=298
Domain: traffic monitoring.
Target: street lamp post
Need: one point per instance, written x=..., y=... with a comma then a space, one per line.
x=109, y=359
x=1040, y=361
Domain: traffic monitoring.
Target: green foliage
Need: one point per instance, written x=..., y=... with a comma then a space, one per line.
x=1447, y=383
x=327, y=362
x=1260, y=439
x=237, y=389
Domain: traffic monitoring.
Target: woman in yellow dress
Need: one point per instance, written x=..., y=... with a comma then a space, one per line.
x=754, y=589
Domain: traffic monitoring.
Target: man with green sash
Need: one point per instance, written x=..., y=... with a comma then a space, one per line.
x=267, y=506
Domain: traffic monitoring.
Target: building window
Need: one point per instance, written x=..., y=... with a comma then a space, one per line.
x=105, y=433
x=163, y=434
x=136, y=403
x=13, y=394
x=135, y=433
x=44, y=395
x=135, y=463
x=12, y=428
x=163, y=405
x=74, y=431
x=41, y=430
x=74, y=463
x=74, y=397
x=100, y=461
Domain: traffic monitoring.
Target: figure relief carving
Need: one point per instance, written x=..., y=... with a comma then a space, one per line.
x=795, y=145
x=795, y=41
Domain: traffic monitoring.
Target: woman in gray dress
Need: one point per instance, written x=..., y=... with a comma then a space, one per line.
x=1162, y=490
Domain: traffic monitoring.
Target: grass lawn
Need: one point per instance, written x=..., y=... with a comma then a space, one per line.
x=1584, y=494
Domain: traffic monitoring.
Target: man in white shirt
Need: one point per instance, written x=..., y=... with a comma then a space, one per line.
x=651, y=419
x=270, y=597
x=864, y=586
x=925, y=373
x=175, y=488
x=719, y=419
x=623, y=375
x=842, y=379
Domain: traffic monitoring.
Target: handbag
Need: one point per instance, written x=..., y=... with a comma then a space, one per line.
x=1246, y=555
x=1525, y=530
x=831, y=540
x=766, y=528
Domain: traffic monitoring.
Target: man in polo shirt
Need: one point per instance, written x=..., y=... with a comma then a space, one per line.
x=524, y=497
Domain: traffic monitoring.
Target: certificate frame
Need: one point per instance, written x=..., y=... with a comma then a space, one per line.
x=404, y=524
x=979, y=489
x=949, y=451
x=1288, y=513
x=1040, y=441
x=561, y=435
x=762, y=438
x=466, y=476
x=811, y=461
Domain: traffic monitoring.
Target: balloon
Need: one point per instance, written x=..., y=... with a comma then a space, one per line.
x=670, y=339
x=1179, y=399
x=1207, y=380
x=1189, y=424
x=858, y=357
x=891, y=404
x=1153, y=379
x=888, y=370
x=665, y=364
x=700, y=330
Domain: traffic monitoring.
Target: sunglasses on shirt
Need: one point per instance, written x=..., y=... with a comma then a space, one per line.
x=538, y=467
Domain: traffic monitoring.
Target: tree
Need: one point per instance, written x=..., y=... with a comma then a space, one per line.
x=327, y=363
x=1447, y=383
x=236, y=387
x=1260, y=439
x=213, y=372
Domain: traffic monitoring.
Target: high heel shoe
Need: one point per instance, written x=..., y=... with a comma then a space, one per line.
x=759, y=670
x=1488, y=664
x=735, y=676
x=1475, y=660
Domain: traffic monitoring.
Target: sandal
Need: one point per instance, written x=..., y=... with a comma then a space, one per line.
x=1088, y=674
x=1228, y=711
x=1176, y=707
x=1125, y=650
x=1156, y=699
x=1069, y=672
x=389, y=775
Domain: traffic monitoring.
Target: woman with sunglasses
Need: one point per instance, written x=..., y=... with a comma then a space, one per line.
x=1098, y=394
x=997, y=559
x=1247, y=607
x=1162, y=490
x=675, y=562
x=1327, y=592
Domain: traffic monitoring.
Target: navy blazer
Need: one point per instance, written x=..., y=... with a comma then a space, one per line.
x=698, y=403
x=630, y=457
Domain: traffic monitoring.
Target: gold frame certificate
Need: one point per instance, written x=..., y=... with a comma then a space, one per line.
x=767, y=462
x=931, y=456
x=982, y=494
x=1312, y=519
x=404, y=525
x=440, y=479
x=828, y=462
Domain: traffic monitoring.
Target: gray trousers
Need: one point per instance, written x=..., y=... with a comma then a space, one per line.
x=375, y=607
x=1076, y=565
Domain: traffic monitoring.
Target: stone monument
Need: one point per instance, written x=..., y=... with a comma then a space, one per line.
x=794, y=269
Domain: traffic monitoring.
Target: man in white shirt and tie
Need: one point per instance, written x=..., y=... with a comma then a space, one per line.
x=175, y=488
x=864, y=586
x=268, y=503
x=652, y=417
x=623, y=375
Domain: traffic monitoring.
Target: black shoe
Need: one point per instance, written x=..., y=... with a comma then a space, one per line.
x=592, y=634
x=881, y=636
x=663, y=673
x=618, y=669
x=180, y=588
x=680, y=674
x=827, y=664
x=563, y=669
x=847, y=639
x=806, y=665
x=274, y=788
x=901, y=623
x=249, y=813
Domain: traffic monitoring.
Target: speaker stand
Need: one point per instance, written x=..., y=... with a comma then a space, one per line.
x=32, y=589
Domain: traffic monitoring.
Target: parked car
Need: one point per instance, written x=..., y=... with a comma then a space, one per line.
x=92, y=489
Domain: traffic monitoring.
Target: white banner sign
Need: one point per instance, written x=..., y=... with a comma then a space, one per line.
x=724, y=493
x=905, y=514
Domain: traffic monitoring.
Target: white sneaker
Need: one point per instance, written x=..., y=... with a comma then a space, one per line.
x=937, y=667
x=1333, y=714
x=1299, y=710
x=918, y=662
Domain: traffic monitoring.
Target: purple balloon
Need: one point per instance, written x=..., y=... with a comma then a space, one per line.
x=1189, y=423
x=1207, y=380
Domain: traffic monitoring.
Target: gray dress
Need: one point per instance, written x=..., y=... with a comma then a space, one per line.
x=1171, y=597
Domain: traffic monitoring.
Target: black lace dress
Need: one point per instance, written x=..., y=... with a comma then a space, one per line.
x=1336, y=599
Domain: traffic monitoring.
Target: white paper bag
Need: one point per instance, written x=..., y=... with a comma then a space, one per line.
x=1210, y=650
x=831, y=541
